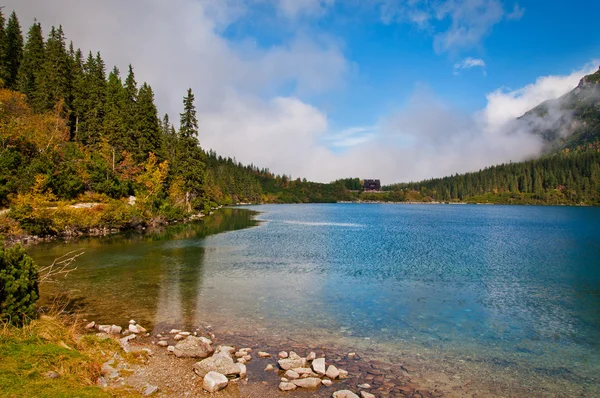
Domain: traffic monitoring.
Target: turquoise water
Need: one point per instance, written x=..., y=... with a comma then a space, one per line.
x=508, y=285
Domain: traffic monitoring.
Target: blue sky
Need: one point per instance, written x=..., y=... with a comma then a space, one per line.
x=390, y=57
x=393, y=89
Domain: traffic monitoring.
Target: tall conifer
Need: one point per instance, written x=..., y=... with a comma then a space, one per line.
x=147, y=123
x=14, y=51
x=33, y=57
x=54, y=76
x=3, y=71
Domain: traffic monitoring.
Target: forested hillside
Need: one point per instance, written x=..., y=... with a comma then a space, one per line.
x=71, y=132
x=564, y=178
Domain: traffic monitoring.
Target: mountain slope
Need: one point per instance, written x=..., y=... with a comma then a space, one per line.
x=571, y=121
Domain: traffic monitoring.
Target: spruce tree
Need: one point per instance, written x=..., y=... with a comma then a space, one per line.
x=189, y=163
x=3, y=71
x=54, y=76
x=13, y=51
x=33, y=57
x=147, y=124
x=113, y=122
x=129, y=109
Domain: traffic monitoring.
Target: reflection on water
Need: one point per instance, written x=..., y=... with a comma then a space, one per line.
x=504, y=285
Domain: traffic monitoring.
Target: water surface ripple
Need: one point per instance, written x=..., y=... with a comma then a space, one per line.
x=492, y=283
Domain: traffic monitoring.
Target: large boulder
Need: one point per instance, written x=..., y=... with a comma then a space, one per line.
x=193, y=347
x=220, y=364
x=214, y=382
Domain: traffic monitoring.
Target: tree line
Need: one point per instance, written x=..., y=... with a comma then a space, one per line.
x=567, y=177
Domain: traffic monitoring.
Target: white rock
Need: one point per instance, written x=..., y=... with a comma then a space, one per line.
x=243, y=370
x=282, y=355
x=263, y=354
x=351, y=355
x=241, y=360
x=293, y=355
x=332, y=372
x=134, y=328
x=326, y=382
x=162, y=343
x=104, y=328
x=247, y=358
x=193, y=347
x=132, y=322
x=309, y=382
x=283, y=386
x=364, y=385
x=344, y=394
x=292, y=375
x=290, y=363
x=150, y=390
x=343, y=374
x=114, y=329
x=283, y=379
x=214, y=382
x=318, y=365
x=304, y=371
x=269, y=368
x=222, y=365
x=174, y=331
x=205, y=340
x=311, y=357
x=184, y=333
x=171, y=348
x=90, y=325
x=365, y=394
x=179, y=337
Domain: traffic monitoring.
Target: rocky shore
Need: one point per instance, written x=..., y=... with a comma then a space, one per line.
x=191, y=363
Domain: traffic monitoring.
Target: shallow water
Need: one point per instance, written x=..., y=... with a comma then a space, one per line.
x=508, y=286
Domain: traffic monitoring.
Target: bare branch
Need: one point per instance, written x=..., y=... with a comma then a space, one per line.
x=61, y=266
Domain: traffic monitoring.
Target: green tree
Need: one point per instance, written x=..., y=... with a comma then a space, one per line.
x=113, y=112
x=13, y=52
x=54, y=74
x=33, y=57
x=190, y=165
x=18, y=285
x=3, y=71
x=148, y=126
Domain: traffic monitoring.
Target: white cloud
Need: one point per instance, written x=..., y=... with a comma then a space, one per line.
x=505, y=105
x=516, y=14
x=470, y=21
x=469, y=63
x=295, y=8
x=351, y=136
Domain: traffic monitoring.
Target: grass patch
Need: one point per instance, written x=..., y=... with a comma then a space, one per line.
x=48, y=345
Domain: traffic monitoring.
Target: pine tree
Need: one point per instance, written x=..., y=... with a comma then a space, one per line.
x=113, y=112
x=13, y=51
x=189, y=154
x=33, y=57
x=3, y=71
x=189, y=123
x=147, y=124
x=54, y=75
x=129, y=109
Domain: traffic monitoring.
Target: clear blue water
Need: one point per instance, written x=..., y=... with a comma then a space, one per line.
x=505, y=284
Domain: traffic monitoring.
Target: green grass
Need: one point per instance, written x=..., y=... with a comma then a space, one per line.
x=28, y=353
